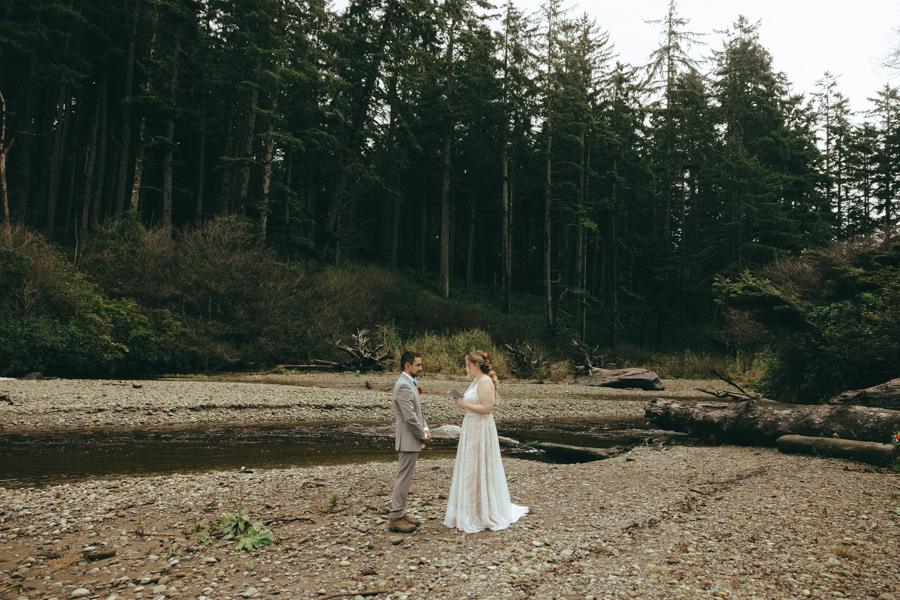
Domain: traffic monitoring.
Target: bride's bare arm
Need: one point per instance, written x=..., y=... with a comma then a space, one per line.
x=485, y=396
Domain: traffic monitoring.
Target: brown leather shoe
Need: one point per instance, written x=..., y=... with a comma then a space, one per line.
x=411, y=520
x=401, y=525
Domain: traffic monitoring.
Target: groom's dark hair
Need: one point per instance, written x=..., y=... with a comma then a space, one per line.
x=408, y=357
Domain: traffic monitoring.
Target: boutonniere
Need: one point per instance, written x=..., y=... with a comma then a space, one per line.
x=419, y=388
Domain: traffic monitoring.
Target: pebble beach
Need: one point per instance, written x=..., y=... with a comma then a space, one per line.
x=657, y=522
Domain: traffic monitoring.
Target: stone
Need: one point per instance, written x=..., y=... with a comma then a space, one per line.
x=396, y=540
x=80, y=593
x=160, y=589
x=363, y=528
x=887, y=596
x=210, y=559
x=248, y=593
x=164, y=580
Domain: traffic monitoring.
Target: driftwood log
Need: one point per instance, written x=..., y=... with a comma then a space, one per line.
x=871, y=453
x=643, y=379
x=363, y=357
x=761, y=422
x=886, y=395
x=579, y=452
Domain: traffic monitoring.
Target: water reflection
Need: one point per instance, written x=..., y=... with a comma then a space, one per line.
x=54, y=457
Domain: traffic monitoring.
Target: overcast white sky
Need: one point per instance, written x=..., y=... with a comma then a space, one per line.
x=849, y=38
x=805, y=37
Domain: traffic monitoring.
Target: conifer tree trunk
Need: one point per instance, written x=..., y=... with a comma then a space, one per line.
x=225, y=203
x=91, y=160
x=56, y=159
x=72, y=139
x=248, y=140
x=126, y=113
x=201, y=160
x=504, y=242
x=137, y=181
x=445, y=183
x=548, y=182
x=579, y=237
x=470, y=259
x=169, y=157
x=445, y=217
x=423, y=223
x=267, y=172
x=4, y=152
x=96, y=203
x=29, y=123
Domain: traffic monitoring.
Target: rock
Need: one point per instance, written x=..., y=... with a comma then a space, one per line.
x=396, y=540
x=248, y=593
x=160, y=589
x=80, y=593
x=643, y=379
x=363, y=528
x=887, y=596
x=210, y=559
x=164, y=580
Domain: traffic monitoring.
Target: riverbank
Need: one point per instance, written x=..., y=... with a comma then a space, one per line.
x=681, y=522
x=79, y=403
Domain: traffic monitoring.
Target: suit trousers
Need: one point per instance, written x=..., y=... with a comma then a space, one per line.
x=404, y=478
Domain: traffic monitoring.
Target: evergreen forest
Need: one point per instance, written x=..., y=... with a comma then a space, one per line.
x=234, y=184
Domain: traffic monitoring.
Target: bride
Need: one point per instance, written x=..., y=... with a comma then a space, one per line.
x=479, y=498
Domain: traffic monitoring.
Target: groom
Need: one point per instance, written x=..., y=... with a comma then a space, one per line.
x=412, y=435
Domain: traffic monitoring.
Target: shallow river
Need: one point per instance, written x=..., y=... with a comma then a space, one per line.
x=44, y=458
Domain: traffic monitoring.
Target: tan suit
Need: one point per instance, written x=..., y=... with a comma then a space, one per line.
x=408, y=439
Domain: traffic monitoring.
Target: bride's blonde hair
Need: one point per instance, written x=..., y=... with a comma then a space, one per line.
x=483, y=361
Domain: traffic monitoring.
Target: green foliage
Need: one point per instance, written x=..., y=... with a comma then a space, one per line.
x=830, y=319
x=236, y=523
x=53, y=319
x=332, y=501
x=255, y=537
x=249, y=537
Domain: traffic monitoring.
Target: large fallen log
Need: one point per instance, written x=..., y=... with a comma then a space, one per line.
x=579, y=453
x=643, y=379
x=761, y=422
x=871, y=453
x=886, y=395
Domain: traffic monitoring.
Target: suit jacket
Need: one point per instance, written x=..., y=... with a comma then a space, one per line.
x=408, y=412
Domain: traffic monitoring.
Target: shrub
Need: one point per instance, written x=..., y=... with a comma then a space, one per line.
x=53, y=320
x=830, y=319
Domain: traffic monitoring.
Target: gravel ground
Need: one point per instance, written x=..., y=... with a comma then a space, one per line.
x=681, y=522
x=79, y=403
x=670, y=522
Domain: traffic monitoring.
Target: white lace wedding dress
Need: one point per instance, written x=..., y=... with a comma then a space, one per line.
x=479, y=497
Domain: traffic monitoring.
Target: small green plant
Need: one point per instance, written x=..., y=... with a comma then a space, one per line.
x=205, y=541
x=249, y=536
x=256, y=537
x=235, y=523
x=172, y=550
x=197, y=522
x=249, y=567
x=332, y=501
